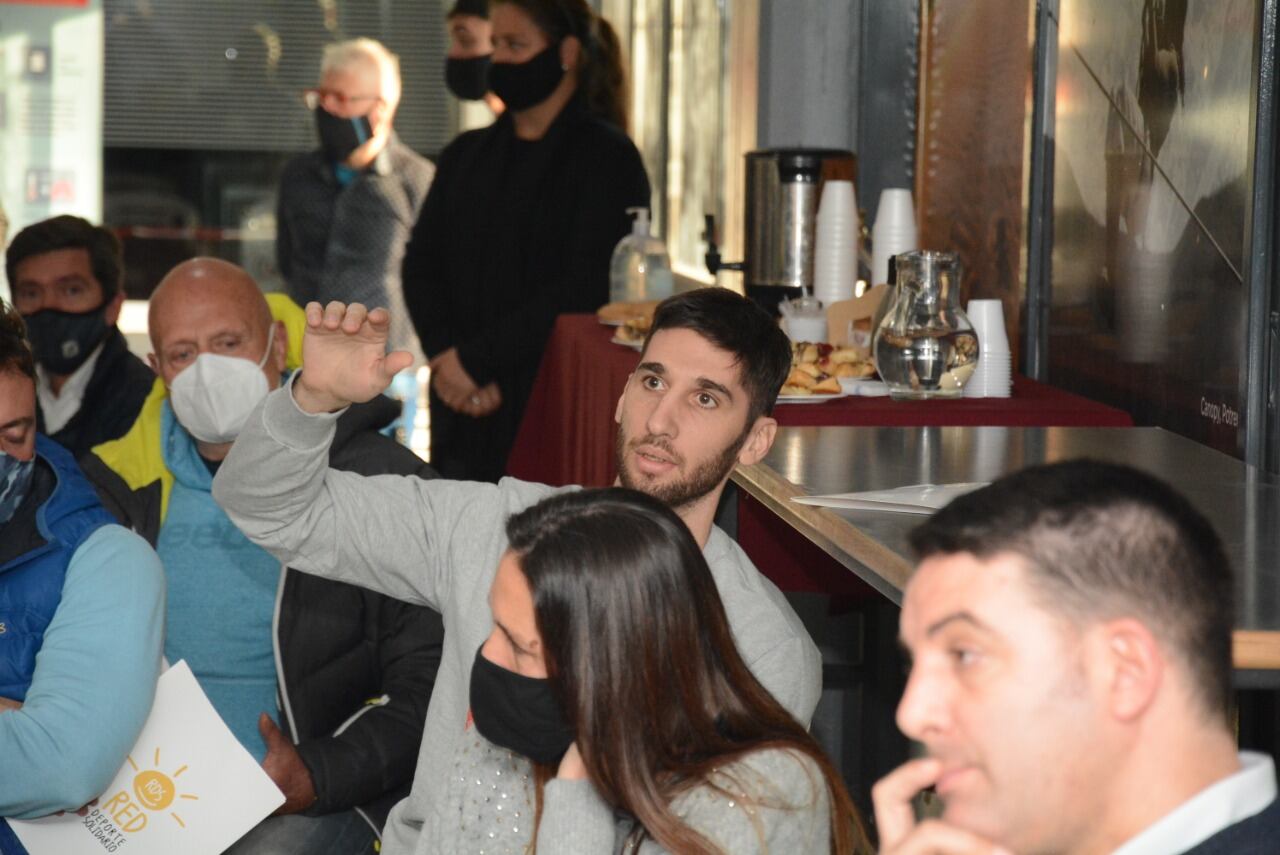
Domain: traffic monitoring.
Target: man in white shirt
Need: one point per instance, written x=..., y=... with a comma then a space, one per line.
x=1070, y=634
x=66, y=276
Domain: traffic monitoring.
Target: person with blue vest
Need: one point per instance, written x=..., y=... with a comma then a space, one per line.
x=81, y=616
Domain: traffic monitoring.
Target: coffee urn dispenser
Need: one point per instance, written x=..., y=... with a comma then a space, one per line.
x=783, y=186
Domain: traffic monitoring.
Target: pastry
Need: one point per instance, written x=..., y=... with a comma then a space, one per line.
x=618, y=313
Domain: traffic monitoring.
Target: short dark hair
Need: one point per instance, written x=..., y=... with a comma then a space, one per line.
x=475, y=8
x=15, y=351
x=737, y=325
x=68, y=232
x=1102, y=540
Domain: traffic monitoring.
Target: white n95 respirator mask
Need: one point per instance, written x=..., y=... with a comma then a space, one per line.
x=213, y=396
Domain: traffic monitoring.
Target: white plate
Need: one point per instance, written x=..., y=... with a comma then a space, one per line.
x=612, y=323
x=808, y=399
x=864, y=387
x=637, y=346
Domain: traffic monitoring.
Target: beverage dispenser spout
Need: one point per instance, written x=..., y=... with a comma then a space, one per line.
x=714, y=264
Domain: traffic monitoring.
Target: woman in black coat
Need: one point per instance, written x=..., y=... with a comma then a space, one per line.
x=519, y=225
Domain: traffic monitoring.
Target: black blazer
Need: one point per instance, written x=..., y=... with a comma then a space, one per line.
x=340, y=645
x=512, y=234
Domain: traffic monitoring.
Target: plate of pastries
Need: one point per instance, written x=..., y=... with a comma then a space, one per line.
x=818, y=369
x=632, y=333
x=632, y=321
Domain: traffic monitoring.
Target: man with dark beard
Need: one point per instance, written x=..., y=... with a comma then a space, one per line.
x=697, y=404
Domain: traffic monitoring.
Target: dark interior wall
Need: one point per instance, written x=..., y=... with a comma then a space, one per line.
x=975, y=84
x=842, y=74
x=888, y=80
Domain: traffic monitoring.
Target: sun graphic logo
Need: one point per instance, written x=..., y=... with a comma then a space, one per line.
x=153, y=791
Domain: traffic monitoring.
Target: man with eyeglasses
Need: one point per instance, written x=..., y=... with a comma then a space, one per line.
x=345, y=210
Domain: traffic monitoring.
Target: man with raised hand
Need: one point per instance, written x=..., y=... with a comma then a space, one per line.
x=696, y=405
x=1070, y=634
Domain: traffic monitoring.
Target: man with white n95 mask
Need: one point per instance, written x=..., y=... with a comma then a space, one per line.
x=326, y=685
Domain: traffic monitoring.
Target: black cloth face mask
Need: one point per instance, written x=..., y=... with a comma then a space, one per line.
x=338, y=136
x=467, y=79
x=62, y=341
x=518, y=713
x=521, y=85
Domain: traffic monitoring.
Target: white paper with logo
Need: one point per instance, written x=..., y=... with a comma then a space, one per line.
x=188, y=786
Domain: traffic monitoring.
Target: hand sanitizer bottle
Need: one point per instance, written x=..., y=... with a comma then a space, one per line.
x=640, y=269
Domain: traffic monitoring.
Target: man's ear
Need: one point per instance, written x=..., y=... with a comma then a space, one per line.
x=759, y=441
x=154, y=363
x=1128, y=667
x=114, y=305
x=617, y=411
x=280, y=346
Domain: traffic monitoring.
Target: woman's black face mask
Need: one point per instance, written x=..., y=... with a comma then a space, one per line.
x=518, y=713
x=467, y=79
x=522, y=85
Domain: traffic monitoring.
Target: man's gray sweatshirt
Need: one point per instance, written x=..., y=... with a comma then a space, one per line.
x=438, y=543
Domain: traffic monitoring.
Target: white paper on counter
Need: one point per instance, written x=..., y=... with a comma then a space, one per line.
x=188, y=786
x=914, y=499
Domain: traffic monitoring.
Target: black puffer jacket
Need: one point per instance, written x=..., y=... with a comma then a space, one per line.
x=120, y=382
x=355, y=669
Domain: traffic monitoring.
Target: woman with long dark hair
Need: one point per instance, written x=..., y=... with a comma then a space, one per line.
x=520, y=224
x=612, y=669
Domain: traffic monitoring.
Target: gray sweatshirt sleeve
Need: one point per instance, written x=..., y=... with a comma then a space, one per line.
x=772, y=802
x=792, y=672
x=388, y=533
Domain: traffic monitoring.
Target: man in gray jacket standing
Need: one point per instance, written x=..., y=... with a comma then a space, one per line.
x=346, y=209
x=696, y=405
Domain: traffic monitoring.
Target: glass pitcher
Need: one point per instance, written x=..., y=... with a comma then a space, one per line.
x=925, y=347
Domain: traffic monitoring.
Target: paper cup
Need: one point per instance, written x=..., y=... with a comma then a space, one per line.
x=896, y=207
x=987, y=317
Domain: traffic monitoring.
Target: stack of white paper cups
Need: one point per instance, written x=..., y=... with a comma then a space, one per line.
x=835, y=252
x=894, y=231
x=993, y=378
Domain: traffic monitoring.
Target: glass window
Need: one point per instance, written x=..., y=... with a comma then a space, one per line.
x=693, y=114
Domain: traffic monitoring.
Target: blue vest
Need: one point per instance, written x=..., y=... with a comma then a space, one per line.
x=31, y=584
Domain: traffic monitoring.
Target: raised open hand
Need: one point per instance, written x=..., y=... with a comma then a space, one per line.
x=344, y=358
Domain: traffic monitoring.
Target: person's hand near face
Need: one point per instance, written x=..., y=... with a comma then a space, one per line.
x=901, y=834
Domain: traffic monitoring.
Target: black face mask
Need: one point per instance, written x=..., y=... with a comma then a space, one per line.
x=521, y=85
x=62, y=341
x=468, y=79
x=518, y=712
x=339, y=137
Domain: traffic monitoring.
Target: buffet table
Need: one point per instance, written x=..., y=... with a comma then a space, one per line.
x=568, y=432
x=843, y=551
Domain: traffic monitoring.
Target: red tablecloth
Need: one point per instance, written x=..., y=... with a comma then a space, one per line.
x=568, y=431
